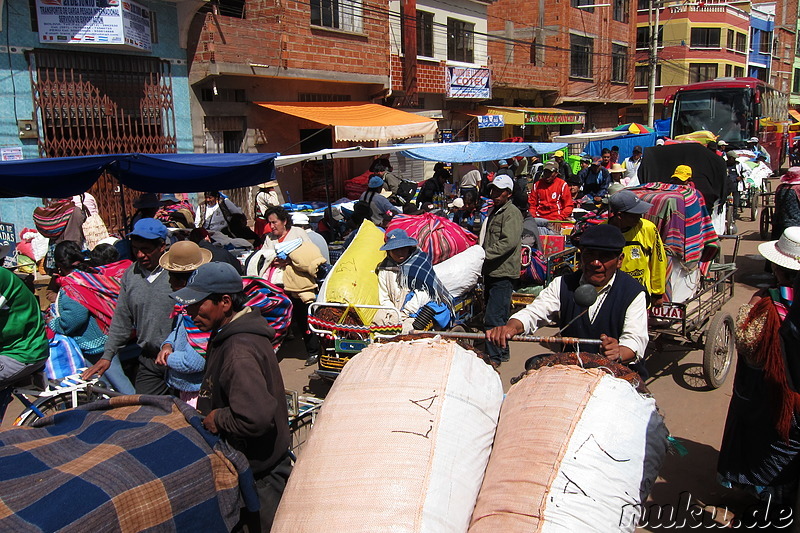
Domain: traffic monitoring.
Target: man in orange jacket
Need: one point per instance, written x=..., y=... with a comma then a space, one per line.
x=550, y=197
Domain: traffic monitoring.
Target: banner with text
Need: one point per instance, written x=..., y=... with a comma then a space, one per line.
x=122, y=23
x=463, y=82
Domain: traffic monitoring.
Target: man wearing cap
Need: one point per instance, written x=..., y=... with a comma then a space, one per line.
x=144, y=306
x=644, y=257
x=595, y=180
x=618, y=317
x=753, y=146
x=550, y=198
x=407, y=282
x=631, y=165
x=564, y=168
x=242, y=394
x=501, y=237
x=682, y=176
x=381, y=209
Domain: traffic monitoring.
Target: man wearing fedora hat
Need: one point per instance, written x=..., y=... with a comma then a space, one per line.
x=144, y=306
x=618, y=317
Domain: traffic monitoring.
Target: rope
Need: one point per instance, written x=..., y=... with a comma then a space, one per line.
x=352, y=328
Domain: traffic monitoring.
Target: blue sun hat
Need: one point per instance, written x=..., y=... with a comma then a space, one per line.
x=398, y=238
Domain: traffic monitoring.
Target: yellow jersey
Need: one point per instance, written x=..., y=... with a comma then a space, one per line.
x=644, y=256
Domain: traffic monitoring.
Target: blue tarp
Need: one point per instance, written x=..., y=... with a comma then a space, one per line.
x=60, y=177
x=626, y=144
x=481, y=151
x=663, y=126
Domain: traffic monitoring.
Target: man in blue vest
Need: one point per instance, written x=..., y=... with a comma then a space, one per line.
x=618, y=317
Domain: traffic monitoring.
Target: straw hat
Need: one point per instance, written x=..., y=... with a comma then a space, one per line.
x=616, y=168
x=785, y=251
x=184, y=256
x=268, y=184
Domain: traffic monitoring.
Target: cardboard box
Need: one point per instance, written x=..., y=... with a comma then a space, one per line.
x=552, y=244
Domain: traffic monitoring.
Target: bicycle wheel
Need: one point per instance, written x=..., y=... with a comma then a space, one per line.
x=53, y=404
x=764, y=225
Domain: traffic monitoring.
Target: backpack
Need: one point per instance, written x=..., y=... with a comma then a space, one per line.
x=362, y=209
x=52, y=220
x=405, y=191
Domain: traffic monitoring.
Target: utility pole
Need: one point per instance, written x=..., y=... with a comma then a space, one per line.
x=651, y=88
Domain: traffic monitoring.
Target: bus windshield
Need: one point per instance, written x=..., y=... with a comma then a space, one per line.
x=726, y=113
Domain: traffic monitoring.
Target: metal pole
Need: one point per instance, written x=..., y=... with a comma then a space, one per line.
x=520, y=338
x=651, y=90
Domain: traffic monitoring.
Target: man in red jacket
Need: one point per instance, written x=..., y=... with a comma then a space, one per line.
x=550, y=198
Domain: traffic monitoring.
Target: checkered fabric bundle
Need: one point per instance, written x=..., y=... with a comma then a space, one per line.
x=131, y=463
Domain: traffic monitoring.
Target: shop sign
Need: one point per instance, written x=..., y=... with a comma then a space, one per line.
x=445, y=136
x=8, y=237
x=534, y=118
x=491, y=121
x=122, y=23
x=11, y=153
x=465, y=82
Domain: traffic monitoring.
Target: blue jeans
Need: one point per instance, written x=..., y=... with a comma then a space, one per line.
x=498, y=309
x=115, y=375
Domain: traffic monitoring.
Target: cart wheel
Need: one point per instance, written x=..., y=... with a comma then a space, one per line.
x=764, y=224
x=718, y=351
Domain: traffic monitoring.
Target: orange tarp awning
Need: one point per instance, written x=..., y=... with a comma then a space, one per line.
x=359, y=121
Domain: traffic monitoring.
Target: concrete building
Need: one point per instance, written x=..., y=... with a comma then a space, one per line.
x=762, y=27
x=76, y=83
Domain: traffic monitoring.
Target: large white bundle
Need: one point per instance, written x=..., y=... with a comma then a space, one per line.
x=460, y=273
x=400, y=444
x=683, y=280
x=576, y=450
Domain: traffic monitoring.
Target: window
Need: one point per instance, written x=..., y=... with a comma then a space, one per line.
x=322, y=97
x=619, y=63
x=741, y=42
x=228, y=8
x=642, y=5
x=765, y=46
x=424, y=33
x=728, y=70
x=643, y=37
x=579, y=3
x=621, y=10
x=705, y=37
x=460, y=40
x=796, y=81
x=797, y=48
x=580, y=51
x=738, y=72
x=210, y=94
x=642, y=76
x=731, y=39
x=702, y=72
x=342, y=15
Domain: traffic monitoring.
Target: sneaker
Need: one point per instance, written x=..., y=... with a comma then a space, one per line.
x=312, y=360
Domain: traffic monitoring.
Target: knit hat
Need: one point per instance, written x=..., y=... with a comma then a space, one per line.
x=375, y=182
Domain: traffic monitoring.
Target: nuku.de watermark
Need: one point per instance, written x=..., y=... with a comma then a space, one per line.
x=763, y=515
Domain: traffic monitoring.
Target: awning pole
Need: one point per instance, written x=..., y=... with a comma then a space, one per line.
x=325, y=177
x=125, y=227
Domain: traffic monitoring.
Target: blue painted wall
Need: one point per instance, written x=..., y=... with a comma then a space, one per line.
x=761, y=27
x=16, y=99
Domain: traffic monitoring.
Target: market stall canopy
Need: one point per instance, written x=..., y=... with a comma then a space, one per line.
x=536, y=116
x=480, y=151
x=60, y=177
x=344, y=153
x=359, y=121
x=580, y=138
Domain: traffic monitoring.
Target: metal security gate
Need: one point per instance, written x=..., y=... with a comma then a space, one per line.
x=89, y=104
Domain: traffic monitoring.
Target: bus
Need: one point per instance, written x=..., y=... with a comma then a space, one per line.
x=734, y=109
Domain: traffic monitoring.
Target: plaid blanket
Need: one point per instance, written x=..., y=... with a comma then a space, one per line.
x=680, y=214
x=130, y=463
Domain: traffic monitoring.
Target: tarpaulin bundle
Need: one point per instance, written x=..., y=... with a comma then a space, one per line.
x=439, y=237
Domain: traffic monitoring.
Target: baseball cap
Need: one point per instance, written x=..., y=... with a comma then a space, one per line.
x=169, y=197
x=375, y=182
x=208, y=279
x=628, y=202
x=503, y=182
x=721, y=143
x=637, y=148
x=458, y=203
x=551, y=166
x=682, y=172
x=558, y=153
x=602, y=237
x=753, y=140
x=502, y=163
x=149, y=228
x=398, y=238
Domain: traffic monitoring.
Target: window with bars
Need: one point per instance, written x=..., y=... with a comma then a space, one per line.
x=705, y=37
x=619, y=63
x=643, y=37
x=460, y=41
x=702, y=72
x=621, y=10
x=345, y=15
x=641, y=78
x=580, y=50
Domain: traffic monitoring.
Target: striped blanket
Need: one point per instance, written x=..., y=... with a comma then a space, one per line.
x=439, y=237
x=680, y=214
x=97, y=291
x=269, y=300
x=52, y=220
x=131, y=463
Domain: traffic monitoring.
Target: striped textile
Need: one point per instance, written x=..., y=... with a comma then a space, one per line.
x=97, y=291
x=439, y=237
x=52, y=220
x=680, y=214
x=271, y=302
x=131, y=463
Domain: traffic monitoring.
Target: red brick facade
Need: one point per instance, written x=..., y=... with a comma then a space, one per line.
x=430, y=75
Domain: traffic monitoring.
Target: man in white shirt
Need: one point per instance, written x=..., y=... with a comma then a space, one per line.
x=631, y=165
x=618, y=317
x=470, y=179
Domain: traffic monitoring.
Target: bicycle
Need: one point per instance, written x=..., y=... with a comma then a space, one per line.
x=42, y=397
